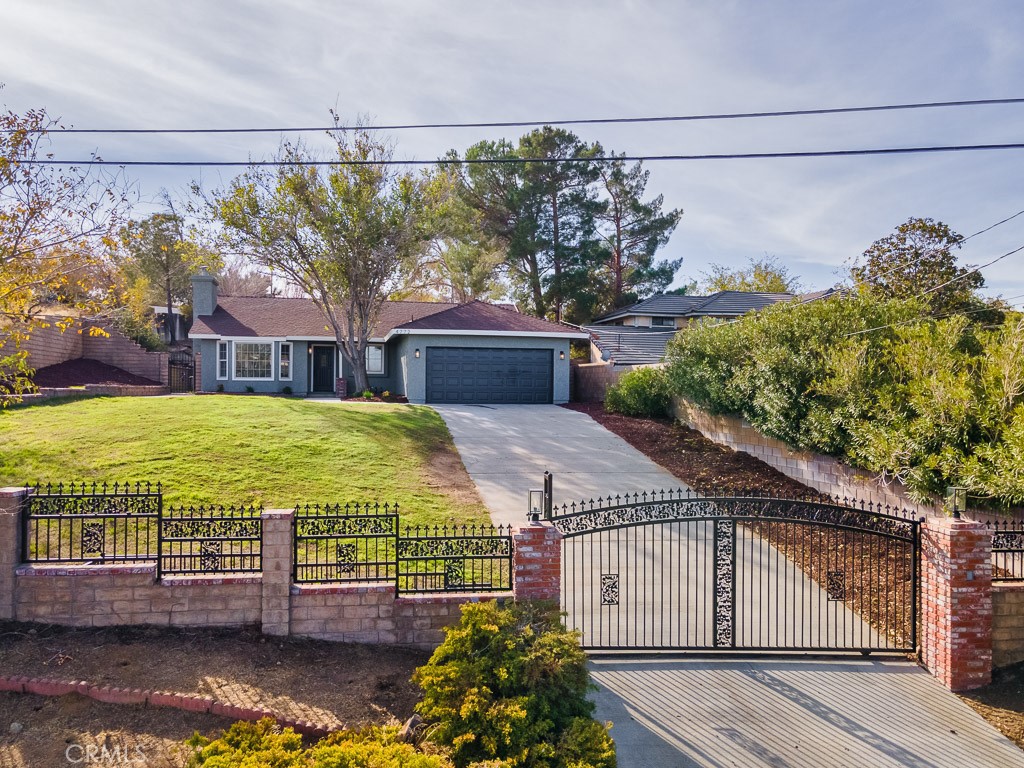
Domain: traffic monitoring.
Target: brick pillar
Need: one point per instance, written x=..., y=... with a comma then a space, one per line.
x=197, y=379
x=956, y=602
x=537, y=562
x=277, y=571
x=11, y=500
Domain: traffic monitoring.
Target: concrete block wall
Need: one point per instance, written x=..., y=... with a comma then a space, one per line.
x=123, y=353
x=592, y=380
x=85, y=595
x=1007, y=623
x=49, y=346
x=822, y=473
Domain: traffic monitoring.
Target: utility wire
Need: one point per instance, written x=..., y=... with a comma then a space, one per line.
x=538, y=123
x=519, y=160
x=935, y=288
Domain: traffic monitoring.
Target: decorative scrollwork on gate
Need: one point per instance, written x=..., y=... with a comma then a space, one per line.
x=455, y=547
x=835, y=585
x=93, y=539
x=454, y=573
x=616, y=517
x=357, y=525
x=220, y=528
x=609, y=589
x=210, y=555
x=725, y=535
x=1011, y=540
x=345, y=555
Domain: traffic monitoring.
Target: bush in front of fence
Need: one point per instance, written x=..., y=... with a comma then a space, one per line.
x=263, y=743
x=511, y=683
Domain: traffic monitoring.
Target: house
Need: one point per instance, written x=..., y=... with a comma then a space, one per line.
x=670, y=311
x=431, y=352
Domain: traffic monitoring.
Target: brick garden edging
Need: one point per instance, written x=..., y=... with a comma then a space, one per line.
x=187, y=702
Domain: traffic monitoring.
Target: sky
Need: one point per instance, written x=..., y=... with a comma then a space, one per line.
x=284, y=63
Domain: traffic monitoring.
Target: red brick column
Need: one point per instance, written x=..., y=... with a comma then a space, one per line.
x=956, y=602
x=537, y=562
x=11, y=500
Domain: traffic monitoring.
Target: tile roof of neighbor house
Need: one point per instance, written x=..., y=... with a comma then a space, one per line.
x=629, y=345
x=300, y=318
x=721, y=304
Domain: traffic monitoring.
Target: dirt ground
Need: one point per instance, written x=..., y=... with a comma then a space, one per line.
x=77, y=373
x=706, y=466
x=335, y=684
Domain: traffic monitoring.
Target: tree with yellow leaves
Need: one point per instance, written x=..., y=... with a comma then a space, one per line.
x=56, y=223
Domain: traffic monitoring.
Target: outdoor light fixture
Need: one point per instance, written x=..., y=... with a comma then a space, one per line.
x=561, y=355
x=956, y=500
x=535, y=504
x=417, y=353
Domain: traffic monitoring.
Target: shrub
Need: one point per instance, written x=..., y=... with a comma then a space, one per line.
x=367, y=394
x=511, y=684
x=220, y=387
x=249, y=389
x=264, y=744
x=286, y=390
x=642, y=392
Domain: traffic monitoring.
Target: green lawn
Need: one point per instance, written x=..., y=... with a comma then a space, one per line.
x=244, y=450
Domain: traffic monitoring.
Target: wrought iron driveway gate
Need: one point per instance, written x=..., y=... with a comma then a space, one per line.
x=674, y=570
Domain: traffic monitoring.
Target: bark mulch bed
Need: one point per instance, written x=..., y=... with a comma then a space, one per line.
x=334, y=684
x=78, y=373
x=702, y=464
x=708, y=467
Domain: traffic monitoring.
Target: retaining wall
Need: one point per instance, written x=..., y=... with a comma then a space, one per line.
x=823, y=473
x=1007, y=623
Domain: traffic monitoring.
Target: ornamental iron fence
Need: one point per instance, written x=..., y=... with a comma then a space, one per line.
x=362, y=542
x=211, y=540
x=678, y=570
x=1007, y=549
x=97, y=523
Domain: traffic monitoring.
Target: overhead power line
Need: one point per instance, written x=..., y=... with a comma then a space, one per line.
x=583, y=121
x=519, y=160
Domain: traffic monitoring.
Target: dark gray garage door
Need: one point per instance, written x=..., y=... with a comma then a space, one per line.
x=479, y=375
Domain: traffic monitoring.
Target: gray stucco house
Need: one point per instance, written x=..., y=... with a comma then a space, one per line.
x=431, y=352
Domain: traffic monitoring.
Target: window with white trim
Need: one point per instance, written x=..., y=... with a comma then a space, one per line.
x=375, y=358
x=222, y=360
x=284, y=363
x=254, y=360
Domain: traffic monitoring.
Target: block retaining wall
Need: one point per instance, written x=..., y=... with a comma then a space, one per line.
x=823, y=473
x=1007, y=623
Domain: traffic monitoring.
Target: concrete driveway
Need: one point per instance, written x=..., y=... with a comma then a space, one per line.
x=506, y=449
x=790, y=713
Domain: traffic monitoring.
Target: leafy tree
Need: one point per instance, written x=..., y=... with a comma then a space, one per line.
x=157, y=250
x=761, y=275
x=917, y=258
x=347, y=235
x=55, y=227
x=633, y=230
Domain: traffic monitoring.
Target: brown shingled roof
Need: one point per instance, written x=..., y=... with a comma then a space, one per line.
x=300, y=318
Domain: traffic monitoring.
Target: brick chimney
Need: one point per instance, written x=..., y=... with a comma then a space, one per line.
x=204, y=293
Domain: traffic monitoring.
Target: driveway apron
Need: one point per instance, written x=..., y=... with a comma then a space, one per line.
x=782, y=712
x=507, y=448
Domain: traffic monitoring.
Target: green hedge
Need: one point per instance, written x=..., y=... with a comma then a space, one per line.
x=643, y=392
x=931, y=403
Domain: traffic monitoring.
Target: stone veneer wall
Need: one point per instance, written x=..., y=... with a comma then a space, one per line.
x=1007, y=623
x=823, y=473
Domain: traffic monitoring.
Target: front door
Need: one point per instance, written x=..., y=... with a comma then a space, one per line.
x=323, y=369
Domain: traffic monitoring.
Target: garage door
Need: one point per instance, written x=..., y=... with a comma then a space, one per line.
x=479, y=375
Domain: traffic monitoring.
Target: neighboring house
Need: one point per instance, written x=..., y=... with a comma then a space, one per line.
x=430, y=352
x=627, y=345
x=669, y=311
x=163, y=327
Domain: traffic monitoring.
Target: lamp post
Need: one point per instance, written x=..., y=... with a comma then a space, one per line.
x=956, y=500
x=536, y=503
